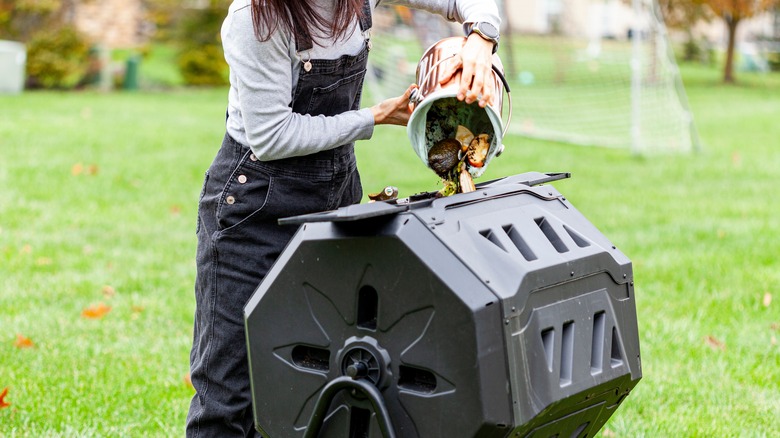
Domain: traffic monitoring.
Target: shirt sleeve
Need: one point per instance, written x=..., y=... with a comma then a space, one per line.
x=261, y=78
x=460, y=11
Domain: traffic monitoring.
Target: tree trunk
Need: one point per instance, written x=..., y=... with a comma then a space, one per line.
x=728, y=71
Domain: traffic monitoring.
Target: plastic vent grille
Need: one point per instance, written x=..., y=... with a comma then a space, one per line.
x=512, y=238
x=558, y=344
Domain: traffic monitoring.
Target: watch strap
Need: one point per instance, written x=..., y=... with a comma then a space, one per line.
x=473, y=27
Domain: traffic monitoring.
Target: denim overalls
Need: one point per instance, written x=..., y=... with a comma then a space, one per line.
x=239, y=238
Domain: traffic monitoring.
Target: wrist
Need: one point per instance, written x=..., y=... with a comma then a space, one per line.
x=476, y=39
x=378, y=114
x=484, y=30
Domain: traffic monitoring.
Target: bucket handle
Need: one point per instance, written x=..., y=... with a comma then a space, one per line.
x=416, y=98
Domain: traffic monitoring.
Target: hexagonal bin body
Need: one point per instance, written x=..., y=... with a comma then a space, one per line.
x=497, y=313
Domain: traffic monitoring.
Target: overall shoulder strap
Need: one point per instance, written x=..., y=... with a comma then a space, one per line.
x=304, y=42
x=365, y=22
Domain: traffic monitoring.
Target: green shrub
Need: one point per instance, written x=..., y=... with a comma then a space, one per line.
x=200, y=57
x=57, y=58
x=773, y=59
x=203, y=65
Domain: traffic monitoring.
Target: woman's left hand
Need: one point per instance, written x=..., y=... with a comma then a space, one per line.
x=476, y=60
x=394, y=111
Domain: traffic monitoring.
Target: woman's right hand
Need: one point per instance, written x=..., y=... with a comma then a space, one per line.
x=394, y=111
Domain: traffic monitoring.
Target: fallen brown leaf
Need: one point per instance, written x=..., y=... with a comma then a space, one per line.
x=92, y=169
x=188, y=380
x=108, y=291
x=77, y=169
x=714, y=343
x=736, y=158
x=3, y=403
x=43, y=261
x=175, y=209
x=767, y=299
x=775, y=326
x=96, y=311
x=23, y=342
x=136, y=312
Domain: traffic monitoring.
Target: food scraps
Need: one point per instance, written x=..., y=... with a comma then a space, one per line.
x=478, y=150
x=451, y=158
x=444, y=156
x=389, y=193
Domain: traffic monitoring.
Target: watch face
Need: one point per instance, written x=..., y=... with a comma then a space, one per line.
x=488, y=30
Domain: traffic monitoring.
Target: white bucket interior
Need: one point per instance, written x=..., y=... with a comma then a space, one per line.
x=424, y=133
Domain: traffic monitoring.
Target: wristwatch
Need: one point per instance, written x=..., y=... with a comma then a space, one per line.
x=485, y=30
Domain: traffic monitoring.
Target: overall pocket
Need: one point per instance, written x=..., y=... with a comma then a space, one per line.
x=337, y=97
x=244, y=196
x=200, y=200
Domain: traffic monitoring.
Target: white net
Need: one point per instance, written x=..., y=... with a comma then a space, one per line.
x=591, y=72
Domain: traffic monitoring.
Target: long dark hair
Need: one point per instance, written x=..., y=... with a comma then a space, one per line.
x=300, y=17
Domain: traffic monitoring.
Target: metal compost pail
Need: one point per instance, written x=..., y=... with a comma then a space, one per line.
x=432, y=97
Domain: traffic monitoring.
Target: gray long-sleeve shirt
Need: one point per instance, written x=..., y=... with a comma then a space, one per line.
x=263, y=75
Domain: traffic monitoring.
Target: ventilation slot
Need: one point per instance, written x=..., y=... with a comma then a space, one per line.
x=548, y=343
x=579, y=430
x=519, y=242
x=551, y=235
x=367, y=308
x=415, y=379
x=597, y=346
x=567, y=352
x=312, y=358
x=359, y=422
x=491, y=236
x=617, y=357
x=579, y=240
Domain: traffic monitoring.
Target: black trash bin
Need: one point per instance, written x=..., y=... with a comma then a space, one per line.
x=498, y=313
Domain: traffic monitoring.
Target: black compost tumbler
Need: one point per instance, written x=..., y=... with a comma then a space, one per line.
x=497, y=313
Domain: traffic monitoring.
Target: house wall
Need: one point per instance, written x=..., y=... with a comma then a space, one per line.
x=716, y=32
x=112, y=23
x=612, y=18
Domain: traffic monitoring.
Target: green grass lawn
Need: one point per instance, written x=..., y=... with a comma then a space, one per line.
x=97, y=206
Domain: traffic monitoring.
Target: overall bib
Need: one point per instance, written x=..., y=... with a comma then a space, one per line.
x=239, y=238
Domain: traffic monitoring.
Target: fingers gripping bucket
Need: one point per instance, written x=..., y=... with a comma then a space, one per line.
x=437, y=111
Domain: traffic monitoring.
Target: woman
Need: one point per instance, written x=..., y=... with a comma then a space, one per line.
x=296, y=73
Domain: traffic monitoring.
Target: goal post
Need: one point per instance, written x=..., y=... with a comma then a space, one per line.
x=588, y=72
